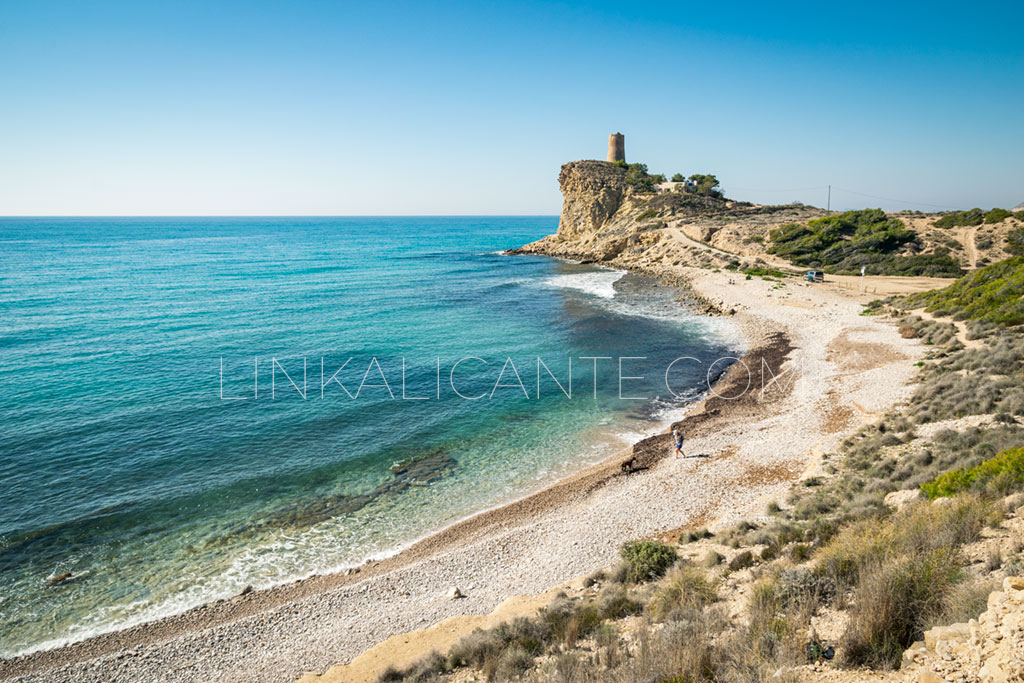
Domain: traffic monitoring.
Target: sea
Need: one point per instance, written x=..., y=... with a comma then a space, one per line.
x=191, y=406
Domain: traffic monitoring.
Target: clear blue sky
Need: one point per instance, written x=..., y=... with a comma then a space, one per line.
x=435, y=108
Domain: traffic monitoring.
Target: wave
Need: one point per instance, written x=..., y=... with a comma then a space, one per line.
x=598, y=283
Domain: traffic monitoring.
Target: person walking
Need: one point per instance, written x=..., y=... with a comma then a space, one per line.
x=679, y=442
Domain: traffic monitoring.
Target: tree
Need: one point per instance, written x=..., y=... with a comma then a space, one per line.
x=637, y=176
x=706, y=184
x=678, y=178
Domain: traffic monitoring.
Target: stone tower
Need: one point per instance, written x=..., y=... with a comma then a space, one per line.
x=616, y=147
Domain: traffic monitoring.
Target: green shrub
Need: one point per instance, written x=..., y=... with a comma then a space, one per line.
x=1015, y=241
x=914, y=531
x=647, y=560
x=695, y=535
x=764, y=272
x=616, y=604
x=1007, y=466
x=638, y=177
x=997, y=215
x=648, y=214
x=844, y=243
x=992, y=294
x=705, y=184
x=961, y=219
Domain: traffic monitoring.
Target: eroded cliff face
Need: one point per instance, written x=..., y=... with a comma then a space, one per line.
x=593, y=191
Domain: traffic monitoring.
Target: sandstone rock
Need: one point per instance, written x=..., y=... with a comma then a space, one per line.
x=912, y=653
x=956, y=633
x=454, y=593
x=1013, y=583
x=897, y=500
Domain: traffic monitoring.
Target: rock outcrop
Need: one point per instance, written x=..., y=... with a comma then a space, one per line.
x=593, y=192
x=989, y=649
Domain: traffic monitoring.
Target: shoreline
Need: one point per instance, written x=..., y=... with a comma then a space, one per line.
x=578, y=482
x=706, y=417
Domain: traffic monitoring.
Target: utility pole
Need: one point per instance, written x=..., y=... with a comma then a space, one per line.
x=829, y=205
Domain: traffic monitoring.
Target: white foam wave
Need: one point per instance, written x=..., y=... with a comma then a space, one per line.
x=599, y=283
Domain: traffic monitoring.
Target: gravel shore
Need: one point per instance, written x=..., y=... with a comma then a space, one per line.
x=842, y=370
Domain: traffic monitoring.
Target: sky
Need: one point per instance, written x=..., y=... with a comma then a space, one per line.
x=390, y=108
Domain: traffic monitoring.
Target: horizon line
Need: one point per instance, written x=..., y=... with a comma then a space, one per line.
x=285, y=215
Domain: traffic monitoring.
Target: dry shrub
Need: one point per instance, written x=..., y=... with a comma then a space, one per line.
x=908, y=331
x=965, y=602
x=893, y=602
x=916, y=530
x=683, y=589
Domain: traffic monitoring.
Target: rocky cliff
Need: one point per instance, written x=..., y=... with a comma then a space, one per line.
x=605, y=219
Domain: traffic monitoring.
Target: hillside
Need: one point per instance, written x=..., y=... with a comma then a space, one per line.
x=607, y=219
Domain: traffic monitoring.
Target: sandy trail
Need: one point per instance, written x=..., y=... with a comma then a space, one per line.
x=967, y=237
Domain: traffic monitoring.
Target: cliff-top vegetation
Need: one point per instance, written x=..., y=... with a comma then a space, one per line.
x=844, y=243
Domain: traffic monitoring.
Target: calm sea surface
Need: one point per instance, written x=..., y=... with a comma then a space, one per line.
x=125, y=461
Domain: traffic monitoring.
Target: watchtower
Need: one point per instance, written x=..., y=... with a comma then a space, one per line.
x=616, y=147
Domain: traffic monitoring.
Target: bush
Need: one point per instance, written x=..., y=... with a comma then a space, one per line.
x=961, y=219
x=646, y=560
x=638, y=177
x=686, y=589
x=893, y=602
x=742, y=561
x=997, y=215
x=992, y=294
x=764, y=272
x=695, y=535
x=1015, y=241
x=705, y=184
x=678, y=178
x=1006, y=469
x=845, y=242
x=915, y=531
x=646, y=215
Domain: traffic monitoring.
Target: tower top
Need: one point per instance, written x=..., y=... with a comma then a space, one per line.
x=616, y=147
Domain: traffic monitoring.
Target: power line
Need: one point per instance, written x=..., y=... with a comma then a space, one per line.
x=791, y=189
x=890, y=199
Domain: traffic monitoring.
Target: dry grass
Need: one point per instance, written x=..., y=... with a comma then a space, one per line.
x=894, y=600
x=682, y=590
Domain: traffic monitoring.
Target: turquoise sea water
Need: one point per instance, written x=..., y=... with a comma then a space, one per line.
x=122, y=463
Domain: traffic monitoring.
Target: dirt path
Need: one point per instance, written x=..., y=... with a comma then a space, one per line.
x=866, y=287
x=873, y=286
x=961, y=328
x=679, y=236
x=967, y=238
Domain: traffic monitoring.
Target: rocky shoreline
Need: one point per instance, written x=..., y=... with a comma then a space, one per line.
x=126, y=648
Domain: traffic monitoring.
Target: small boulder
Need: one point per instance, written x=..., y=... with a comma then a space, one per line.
x=245, y=591
x=454, y=593
x=897, y=500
